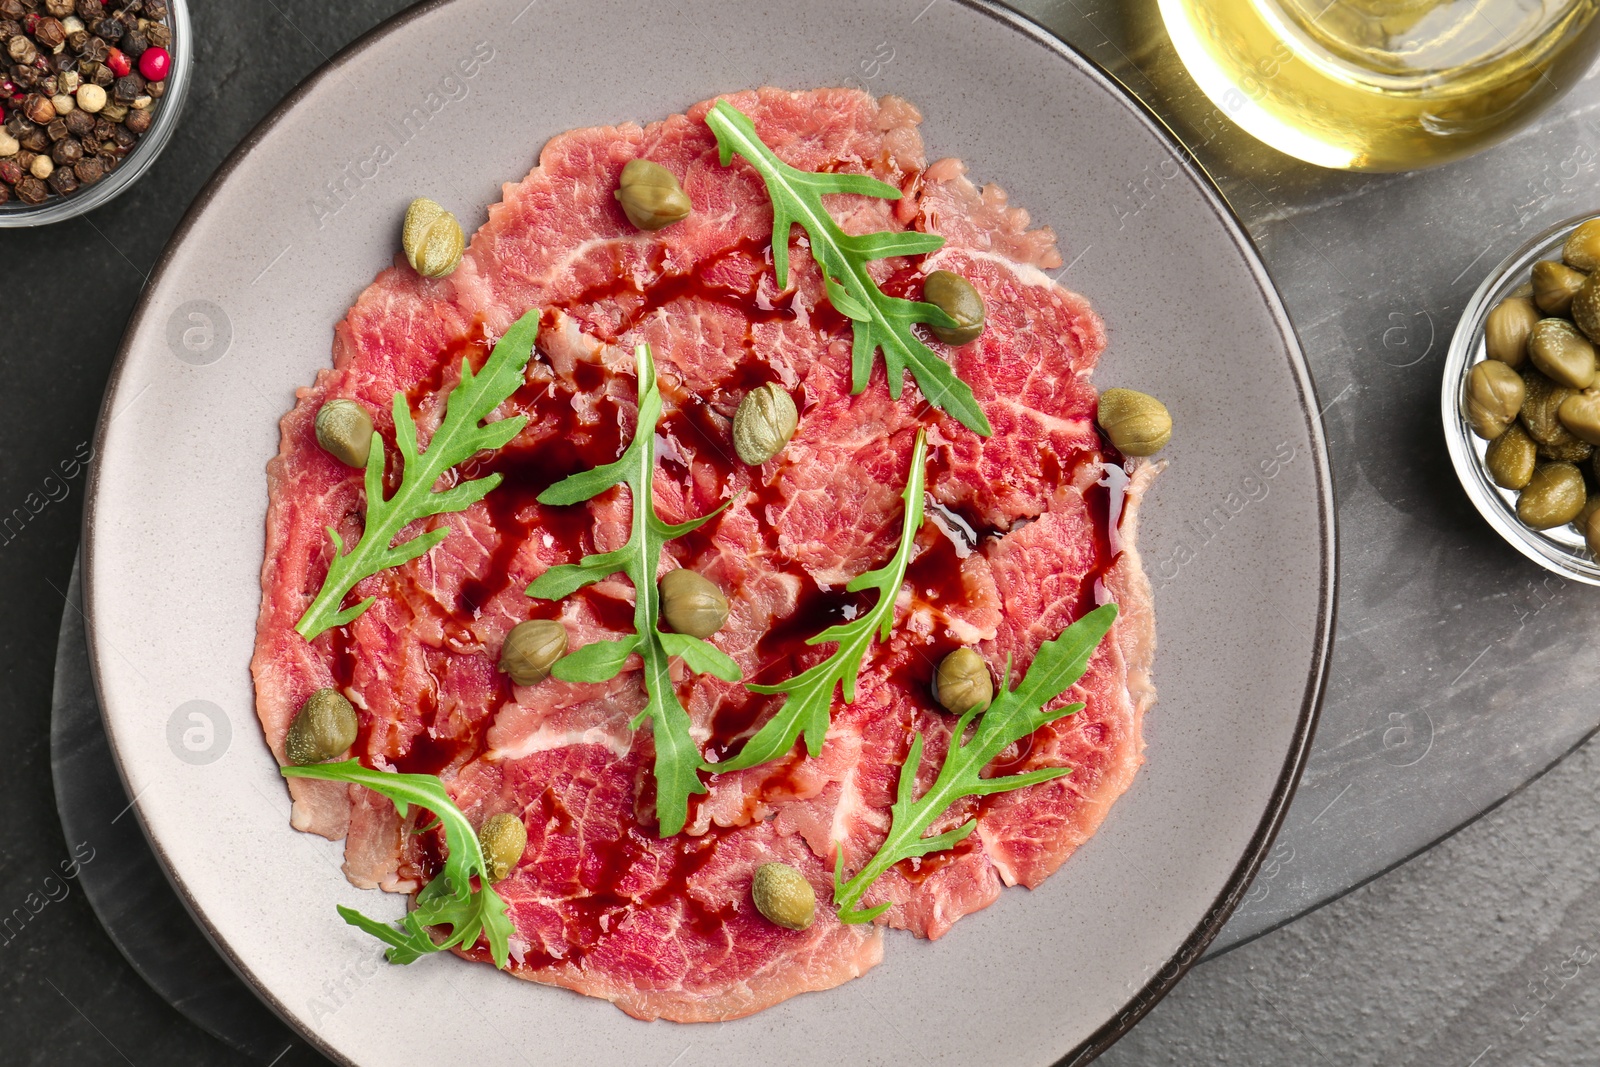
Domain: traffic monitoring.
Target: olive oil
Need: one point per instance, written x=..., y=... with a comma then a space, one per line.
x=1382, y=85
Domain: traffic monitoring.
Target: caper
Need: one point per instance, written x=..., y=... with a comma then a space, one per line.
x=502, y=839
x=1540, y=410
x=1511, y=457
x=765, y=421
x=1566, y=356
x=784, y=896
x=956, y=297
x=1580, y=413
x=1554, y=286
x=1136, y=423
x=650, y=196
x=1582, y=250
x=1494, y=396
x=432, y=239
x=323, y=728
x=1591, y=531
x=962, y=682
x=1506, y=329
x=1585, y=309
x=531, y=649
x=691, y=604
x=344, y=430
x=1553, y=496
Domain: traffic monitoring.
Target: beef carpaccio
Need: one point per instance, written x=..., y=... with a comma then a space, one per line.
x=1029, y=529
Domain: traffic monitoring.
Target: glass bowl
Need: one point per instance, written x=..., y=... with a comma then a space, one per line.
x=1561, y=550
x=168, y=108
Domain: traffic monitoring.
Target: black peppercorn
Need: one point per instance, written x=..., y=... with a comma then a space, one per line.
x=11, y=171
x=18, y=124
x=139, y=120
x=57, y=129
x=13, y=9
x=24, y=158
x=47, y=85
x=25, y=77
x=58, y=8
x=50, y=33
x=108, y=29
x=79, y=122
x=102, y=76
x=156, y=89
x=64, y=62
x=134, y=43
x=94, y=50
x=31, y=190
x=103, y=128
x=159, y=35
x=34, y=140
x=89, y=170
x=76, y=40
x=63, y=181
x=5, y=194
x=90, y=10
x=155, y=9
x=130, y=87
x=9, y=28
x=124, y=137
x=67, y=151
x=21, y=50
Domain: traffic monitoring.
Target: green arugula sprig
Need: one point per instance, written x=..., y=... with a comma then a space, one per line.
x=461, y=435
x=1013, y=715
x=808, y=696
x=879, y=321
x=449, y=899
x=677, y=763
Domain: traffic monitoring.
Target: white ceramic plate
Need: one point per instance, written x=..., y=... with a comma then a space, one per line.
x=1238, y=535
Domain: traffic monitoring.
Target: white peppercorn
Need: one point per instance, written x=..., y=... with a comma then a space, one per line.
x=42, y=167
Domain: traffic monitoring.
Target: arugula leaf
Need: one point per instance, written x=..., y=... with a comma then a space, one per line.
x=461, y=435
x=879, y=321
x=448, y=900
x=809, y=695
x=677, y=756
x=1015, y=714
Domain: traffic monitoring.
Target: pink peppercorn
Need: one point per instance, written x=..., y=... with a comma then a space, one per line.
x=154, y=64
x=118, y=62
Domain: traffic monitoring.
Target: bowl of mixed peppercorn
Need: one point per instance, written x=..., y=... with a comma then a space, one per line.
x=90, y=92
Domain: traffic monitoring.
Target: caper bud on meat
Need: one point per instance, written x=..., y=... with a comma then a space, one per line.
x=1136, y=423
x=1582, y=250
x=1585, y=308
x=432, y=239
x=503, y=839
x=1554, y=286
x=1494, y=396
x=784, y=896
x=963, y=682
x=324, y=727
x=691, y=604
x=1540, y=410
x=1505, y=331
x=1553, y=496
x=344, y=430
x=1580, y=413
x=1566, y=356
x=1511, y=457
x=956, y=297
x=531, y=649
x=651, y=196
x=765, y=421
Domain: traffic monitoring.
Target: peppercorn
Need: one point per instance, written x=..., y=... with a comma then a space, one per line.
x=41, y=167
x=154, y=63
x=133, y=44
x=57, y=129
x=103, y=127
x=94, y=50
x=76, y=39
x=155, y=9
x=9, y=29
x=58, y=8
x=129, y=88
x=50, y=34
x=90, y=10
x=9, y=145
x=159, y=35
x=13, y=9
x=107, y=29
x=63, y=181
x=25, y=77
x=124, y=137
x=5, y=194
x=18, y=124
x=67, y=71
x=35, y=140
x=32, y=191
x=25, y=156
x=11, y=170
x=67, y=152
x=157, y=89
x=39, y=109
x=21, y=50
x=139, y=120
x=89, y=169
x=103, y=76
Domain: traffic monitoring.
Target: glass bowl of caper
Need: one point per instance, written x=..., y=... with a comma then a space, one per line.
x=1521, y=399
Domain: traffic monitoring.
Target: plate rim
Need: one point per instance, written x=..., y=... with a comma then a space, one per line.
x=1260, y=843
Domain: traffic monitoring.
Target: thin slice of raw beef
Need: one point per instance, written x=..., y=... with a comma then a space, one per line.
x=1019, y=542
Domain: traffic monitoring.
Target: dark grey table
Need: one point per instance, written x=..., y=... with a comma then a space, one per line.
x=1459, y=671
